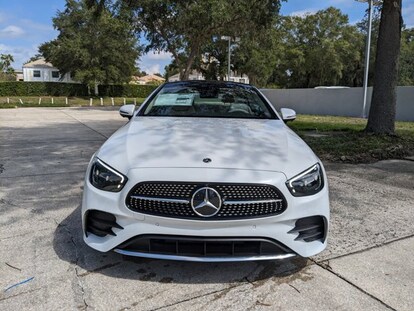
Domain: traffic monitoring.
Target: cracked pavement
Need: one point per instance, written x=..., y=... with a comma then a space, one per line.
x=43, y=155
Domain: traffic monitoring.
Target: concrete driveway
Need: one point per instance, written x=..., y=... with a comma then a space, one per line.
x=368, y=265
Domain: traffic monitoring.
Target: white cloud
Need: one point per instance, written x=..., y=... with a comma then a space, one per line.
x=3, y=18
x=340, y=2
x=29, y=24
x=21, y=54
x=11, y=31
x=303, y=13
x=154, y=55
x=155, y=68
x=154, y=61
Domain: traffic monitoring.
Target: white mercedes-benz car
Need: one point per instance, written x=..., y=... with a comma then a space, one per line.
x=206, y=171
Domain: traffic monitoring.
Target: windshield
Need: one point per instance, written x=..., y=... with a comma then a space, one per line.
x=208, y=99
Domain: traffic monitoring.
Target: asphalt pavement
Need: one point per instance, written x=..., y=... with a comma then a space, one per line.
x=45, y=265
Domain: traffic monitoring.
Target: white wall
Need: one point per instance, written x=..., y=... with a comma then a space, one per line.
x=337, y=102
x=238, y=78
x=199, y=76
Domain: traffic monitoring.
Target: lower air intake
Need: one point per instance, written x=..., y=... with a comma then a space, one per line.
x=203, y=247
x=310, y=229
x=101, y=223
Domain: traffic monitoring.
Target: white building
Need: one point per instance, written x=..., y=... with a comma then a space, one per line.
x=195, y=75
x=19, y=75
x=235, y=77
x=42, y=71
x=148, y=79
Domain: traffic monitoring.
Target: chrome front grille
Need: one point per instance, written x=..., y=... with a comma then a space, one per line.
x=173, y=199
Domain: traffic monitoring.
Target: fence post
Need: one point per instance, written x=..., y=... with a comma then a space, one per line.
x=124, y=101
x=21, y=101
x=135, y=101
x=66, y=100
x=101, y=101
x=40, y=100
x=52, y=101
x=112, y=101
x=8, y=100
x=90, y=101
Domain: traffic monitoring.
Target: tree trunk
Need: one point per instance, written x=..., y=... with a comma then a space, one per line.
x=185, y=74
x=96, y=89
x=383, y=105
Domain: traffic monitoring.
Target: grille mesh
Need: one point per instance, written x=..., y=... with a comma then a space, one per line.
x=228, y=193
x=203, y=246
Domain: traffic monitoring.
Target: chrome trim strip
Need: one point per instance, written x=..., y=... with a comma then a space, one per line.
x=229, y=202
x=204, y=259
x=160, y=199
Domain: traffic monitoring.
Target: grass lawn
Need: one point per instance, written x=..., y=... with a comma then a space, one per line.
x=342, y=139
x=46, y=101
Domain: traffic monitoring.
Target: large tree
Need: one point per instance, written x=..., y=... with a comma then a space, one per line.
x=258, y=55
x=319, y=49
x=381, y=118
x=183, y=27
x=6, y=70
x=406, y=71
x=5, y=63
x=96, y=43
x=212, y=62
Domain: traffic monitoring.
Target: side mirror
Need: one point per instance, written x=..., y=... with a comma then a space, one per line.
x=127, y=111
x=288, y=114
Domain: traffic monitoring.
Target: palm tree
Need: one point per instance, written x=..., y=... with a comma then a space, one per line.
x=5, y=61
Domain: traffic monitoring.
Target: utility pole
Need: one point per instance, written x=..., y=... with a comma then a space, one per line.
x=228, y=61
x=228, y=38
x=367, y=55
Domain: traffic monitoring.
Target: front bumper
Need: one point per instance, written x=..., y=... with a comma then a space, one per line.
x=279, y=228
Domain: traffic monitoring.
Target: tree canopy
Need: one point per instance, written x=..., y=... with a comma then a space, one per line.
x=6, y=70
x=98, y=42
x=184, y=27
x=5, y=63
x=94, y=48
x=319, y=49
x=406, y=65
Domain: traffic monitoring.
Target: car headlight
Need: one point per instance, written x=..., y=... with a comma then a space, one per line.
x=105, y=177
x=306, y=183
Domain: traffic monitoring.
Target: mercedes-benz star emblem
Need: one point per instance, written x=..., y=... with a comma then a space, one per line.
x=206, y=160
x=206, y=202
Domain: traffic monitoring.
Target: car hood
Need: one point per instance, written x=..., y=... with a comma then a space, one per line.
x=179, y=142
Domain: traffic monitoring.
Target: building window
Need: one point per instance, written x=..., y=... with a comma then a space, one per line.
x=36, y=73
x=55, y=74
x=242, y=80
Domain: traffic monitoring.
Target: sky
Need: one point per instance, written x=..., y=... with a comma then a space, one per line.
x=25, y=24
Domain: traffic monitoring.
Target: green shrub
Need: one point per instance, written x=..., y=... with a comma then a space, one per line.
x=126, y=90
x=19, y=88
x=4, y=76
